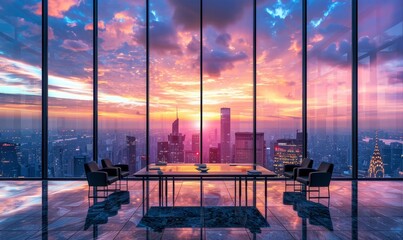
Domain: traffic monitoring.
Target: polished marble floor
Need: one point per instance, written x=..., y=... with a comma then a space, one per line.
x=60, y=210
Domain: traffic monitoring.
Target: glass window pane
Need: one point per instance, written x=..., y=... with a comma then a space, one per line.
x=20, y=88
x=70, y=87
x=279, y=83
x=380, y=87
x=174, y=38
x=228, y=82
x=121, y=82
x=329, y=84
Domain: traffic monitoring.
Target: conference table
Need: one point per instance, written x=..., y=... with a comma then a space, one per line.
x=238, y=173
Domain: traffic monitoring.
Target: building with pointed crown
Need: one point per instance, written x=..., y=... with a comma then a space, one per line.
x=376, y=169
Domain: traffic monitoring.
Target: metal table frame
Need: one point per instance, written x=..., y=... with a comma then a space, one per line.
x=236, y=177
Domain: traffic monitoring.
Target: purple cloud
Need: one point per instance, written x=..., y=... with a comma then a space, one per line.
x=217, y=61
x=75, y=45
x=223, y=39
x=219, y=14
x=163, y=38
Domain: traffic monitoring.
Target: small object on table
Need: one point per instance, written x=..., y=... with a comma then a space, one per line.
x=254, y=172
x=202, y=170
x=159, y=163
x=154, y=168
x=160, y=172
x=201, y=165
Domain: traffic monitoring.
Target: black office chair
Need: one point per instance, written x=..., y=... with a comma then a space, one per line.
x=123, y=171
x=100, y=178
x=316, y=178
x=290, y=171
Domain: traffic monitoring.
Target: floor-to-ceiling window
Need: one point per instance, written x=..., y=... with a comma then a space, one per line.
x=329, y=84
x=181, y=93
x=279, y=84
x=174, y=80
x=70, y=87
x=228, y=82
x=20, y=88
x=122, y=82
x=380, y=86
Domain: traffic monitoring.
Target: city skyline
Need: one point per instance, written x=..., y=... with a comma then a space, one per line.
x=178, y=87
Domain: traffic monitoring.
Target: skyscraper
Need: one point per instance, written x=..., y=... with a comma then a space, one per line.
x=131, y=154
x=195, y=143
x=286, y=151
x=225, y=150
x=9, y=166
x=244, y=148
x=214, y=155
x=162, y=151
x=175, y=144
x=376, y=169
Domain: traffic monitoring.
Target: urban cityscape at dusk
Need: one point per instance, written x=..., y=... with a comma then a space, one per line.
x=174, y=83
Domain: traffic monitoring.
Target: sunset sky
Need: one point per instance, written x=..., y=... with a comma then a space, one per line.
x=227, y=63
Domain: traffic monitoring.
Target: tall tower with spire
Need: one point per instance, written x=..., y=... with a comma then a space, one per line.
x=376, y=169
x=176, y=145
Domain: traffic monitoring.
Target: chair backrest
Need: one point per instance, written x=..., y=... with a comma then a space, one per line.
x=90, y=167
x=306, y=163
x=326, y=167
x=107, y=163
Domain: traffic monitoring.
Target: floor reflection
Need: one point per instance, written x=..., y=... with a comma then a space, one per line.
x=99, y=212
x=60, y=210
x=160, y=218
x=316, y=213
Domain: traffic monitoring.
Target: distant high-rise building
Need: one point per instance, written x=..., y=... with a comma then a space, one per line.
x=79, y=165
x=131, y=153
x=214, y=155
x=195, y=142
x=176, y=144
x=376, y=169
x=225, y=150
x=9, y=166
x=244, y=148
x=162, y=151
x=287, y=151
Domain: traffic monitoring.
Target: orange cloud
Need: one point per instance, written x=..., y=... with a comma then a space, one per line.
x=118, y=31
x=57, y=8
x=90, y=26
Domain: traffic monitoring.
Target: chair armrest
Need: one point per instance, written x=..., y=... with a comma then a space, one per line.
x=112, y=171
x=304, y=172
x=98, y=178
x=123, y=167
x=319, y=179
x=290, y=167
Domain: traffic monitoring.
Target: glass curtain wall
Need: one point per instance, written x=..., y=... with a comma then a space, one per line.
x=20, y=88
x=279, y=83
x=329, y=84
x=174, y=80
x=70, y=100
x=122, y=82
x=380, y=86
x=228, y=82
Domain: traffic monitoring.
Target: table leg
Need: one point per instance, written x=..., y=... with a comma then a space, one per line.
x=159, y=191
x=235, y=192
x=147, y=193
x=173, y=191
x=254, y=191
x=166, y=192
x=240, y=190
x=143, y=193
x=265, y=196
x=246, y=191
x=201, y=192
